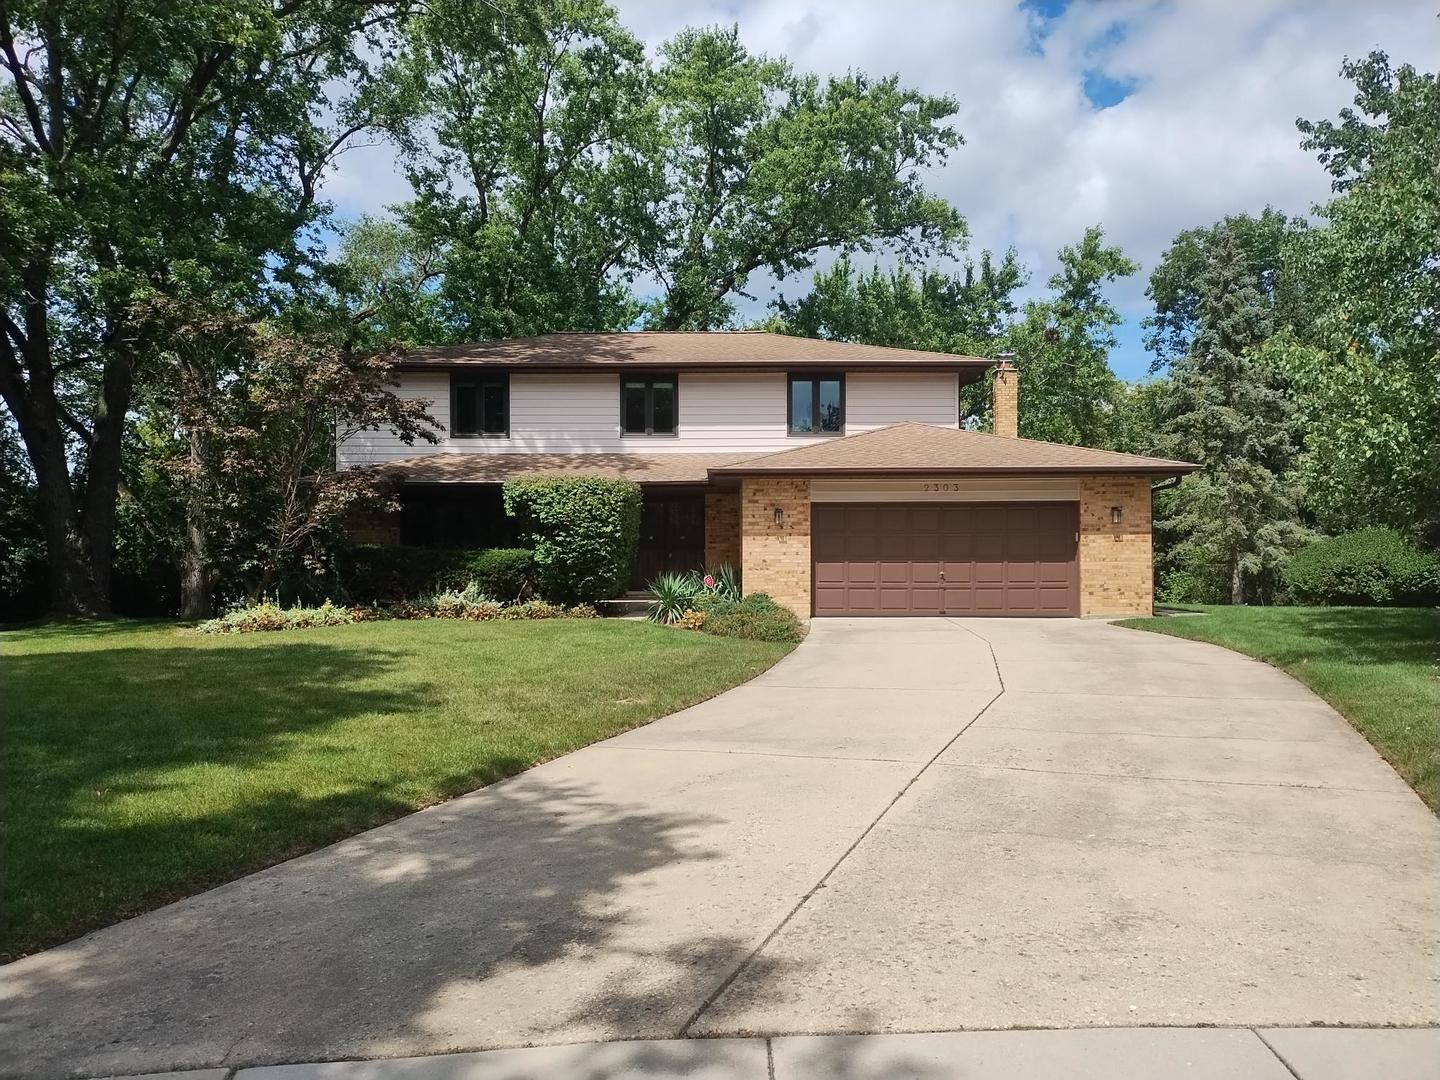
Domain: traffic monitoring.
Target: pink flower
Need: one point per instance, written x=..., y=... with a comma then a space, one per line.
x=709, y=581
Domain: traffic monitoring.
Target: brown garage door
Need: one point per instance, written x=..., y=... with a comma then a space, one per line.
x=945, y=559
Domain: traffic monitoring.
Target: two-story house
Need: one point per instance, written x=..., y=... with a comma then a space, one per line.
x=838, y=478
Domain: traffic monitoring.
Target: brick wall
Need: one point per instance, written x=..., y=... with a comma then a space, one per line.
x=1116, y=571
x=722, y=529
x=775, y=559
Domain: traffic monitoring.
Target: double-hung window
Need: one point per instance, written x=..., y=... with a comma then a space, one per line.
x=817, y=405
x=649, y=404
x=479, y=403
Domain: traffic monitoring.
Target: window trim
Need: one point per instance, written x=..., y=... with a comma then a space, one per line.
x=817, y=378
x=479, y=379
x=650, y=379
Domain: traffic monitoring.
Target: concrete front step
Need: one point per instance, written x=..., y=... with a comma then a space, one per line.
x=1079, y=1054
x=629, y=604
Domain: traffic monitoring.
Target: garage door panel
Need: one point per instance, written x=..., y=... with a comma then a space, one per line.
x=955, y=559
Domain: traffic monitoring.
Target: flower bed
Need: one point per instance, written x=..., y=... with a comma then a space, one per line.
x=467, y=603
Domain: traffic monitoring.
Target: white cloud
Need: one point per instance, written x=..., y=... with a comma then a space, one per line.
x=1209, y=128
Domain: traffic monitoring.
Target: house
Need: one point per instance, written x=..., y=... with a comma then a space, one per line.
x=837, y=477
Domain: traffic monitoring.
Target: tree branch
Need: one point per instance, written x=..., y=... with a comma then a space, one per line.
x=23, y=80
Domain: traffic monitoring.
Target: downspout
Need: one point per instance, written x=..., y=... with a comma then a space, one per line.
x=1165, y=485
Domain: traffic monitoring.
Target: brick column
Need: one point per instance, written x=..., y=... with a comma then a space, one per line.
x=1116, y=561
x=775, y=559
x=722, y=529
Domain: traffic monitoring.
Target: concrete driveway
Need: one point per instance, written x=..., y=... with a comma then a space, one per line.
x=908, y=825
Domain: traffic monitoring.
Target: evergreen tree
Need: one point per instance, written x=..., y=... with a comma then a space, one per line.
x=1227, y=411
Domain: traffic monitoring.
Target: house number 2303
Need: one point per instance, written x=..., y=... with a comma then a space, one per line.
x=941, y=487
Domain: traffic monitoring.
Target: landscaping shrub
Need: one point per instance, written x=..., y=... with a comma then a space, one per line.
x=269, y=615
x=756, y=617
x=584, y=530
x=1370, y=567
x=672, y=595
x=373, y=573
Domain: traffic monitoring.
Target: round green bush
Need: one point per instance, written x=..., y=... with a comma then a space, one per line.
x=757, y=618
x=1369, y=567
x=584, y=531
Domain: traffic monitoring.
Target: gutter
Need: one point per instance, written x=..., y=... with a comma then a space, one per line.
x=1166, y=485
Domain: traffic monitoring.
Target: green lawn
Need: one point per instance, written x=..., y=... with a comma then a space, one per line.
x=143, y=762
x=1377, y=666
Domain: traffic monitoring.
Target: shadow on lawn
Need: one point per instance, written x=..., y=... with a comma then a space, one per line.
x=85, y=729
x=1358, y=635
x=530, y=912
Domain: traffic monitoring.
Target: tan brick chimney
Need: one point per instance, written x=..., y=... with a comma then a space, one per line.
x=1005, y=399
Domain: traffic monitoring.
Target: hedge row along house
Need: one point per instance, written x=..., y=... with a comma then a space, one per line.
x=837, y=477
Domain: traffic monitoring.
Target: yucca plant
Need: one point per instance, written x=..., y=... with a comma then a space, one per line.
x=672, y=595
x=724, y=582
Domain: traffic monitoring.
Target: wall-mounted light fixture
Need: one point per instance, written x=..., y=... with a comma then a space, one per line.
x=779, y=517
x=1116, y=513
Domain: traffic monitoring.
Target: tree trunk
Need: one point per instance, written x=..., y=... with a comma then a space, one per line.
x=73, y=589
x=195, y=596
x=102, y=476
x=74, y=592
x=1237, y=582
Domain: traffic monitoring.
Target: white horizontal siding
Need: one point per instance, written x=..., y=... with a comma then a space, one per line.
x=720, y=413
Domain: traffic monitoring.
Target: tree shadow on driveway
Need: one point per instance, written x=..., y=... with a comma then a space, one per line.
x=536, y=910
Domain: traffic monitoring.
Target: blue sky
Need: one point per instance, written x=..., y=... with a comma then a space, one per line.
x=1145, y=116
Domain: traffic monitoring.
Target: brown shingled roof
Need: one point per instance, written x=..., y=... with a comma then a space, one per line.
x=910, y=448
x=497, y=468
x=663, y=348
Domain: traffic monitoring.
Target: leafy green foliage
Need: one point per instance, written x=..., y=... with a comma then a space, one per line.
x=1272, y=245
x=1227, y=411
x=761, y=168
x=1369, y=395
x=382, y=573
x=1369, y=566
x=960, y=313
x=268, y=615
x=584, y=531
x=756, y=618
x=1062, y=347
x=170, y=151
x=671, y=595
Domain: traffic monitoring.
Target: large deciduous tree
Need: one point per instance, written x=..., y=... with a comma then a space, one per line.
x=1227, y=411
x=1062, y=346
x=168, y=151
x=761, y=168
x=925, y=309
x=1369, y=393
x=526, y=130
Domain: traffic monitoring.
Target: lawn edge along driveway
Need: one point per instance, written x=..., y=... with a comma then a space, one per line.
x=1377, y=667
x=145, y=762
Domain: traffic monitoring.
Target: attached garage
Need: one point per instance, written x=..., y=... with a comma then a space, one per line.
x=1015, y=559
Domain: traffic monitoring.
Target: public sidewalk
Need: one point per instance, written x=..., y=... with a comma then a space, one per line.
x=1083, y=1054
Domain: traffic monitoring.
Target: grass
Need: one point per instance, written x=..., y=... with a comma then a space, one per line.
x=1376, y=666
x=143, y=762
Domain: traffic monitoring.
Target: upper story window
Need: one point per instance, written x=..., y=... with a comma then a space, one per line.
x=817, y=404
x=649, y=404
x=479, y=403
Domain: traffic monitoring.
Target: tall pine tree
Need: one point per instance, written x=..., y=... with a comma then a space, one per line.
x=1227, y=412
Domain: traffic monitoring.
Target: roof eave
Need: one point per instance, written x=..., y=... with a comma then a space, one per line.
x=837, y=472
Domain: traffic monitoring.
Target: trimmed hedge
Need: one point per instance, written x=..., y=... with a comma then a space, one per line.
x=386, y=574
x=584, y=530
x=1369, y=567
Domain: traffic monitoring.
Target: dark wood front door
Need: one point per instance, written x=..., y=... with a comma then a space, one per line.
x=672, y=536
x=945, y=559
